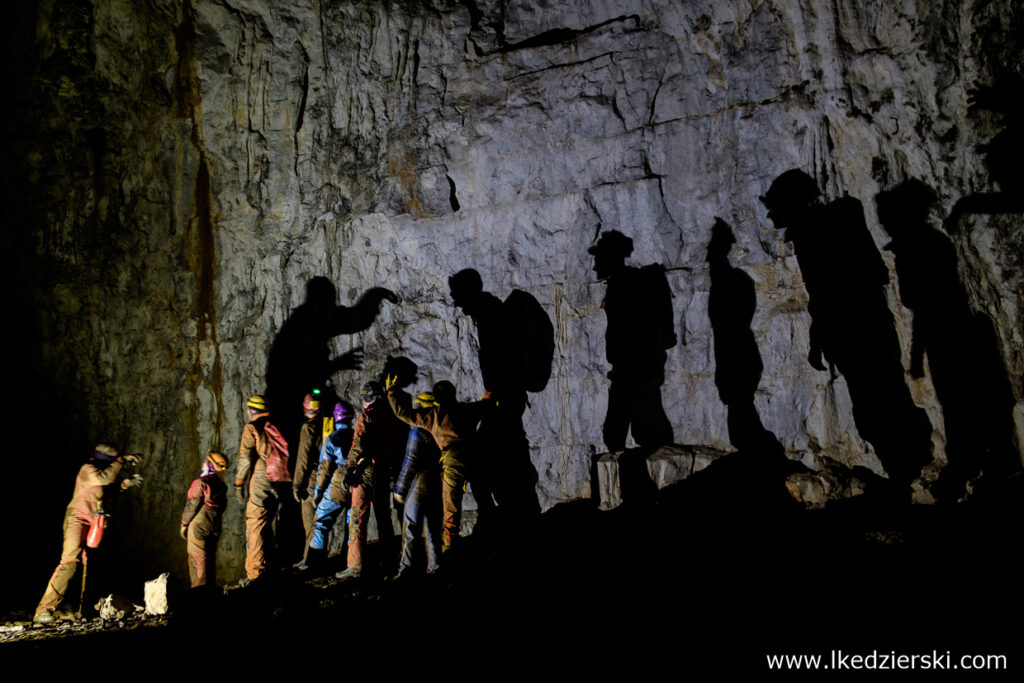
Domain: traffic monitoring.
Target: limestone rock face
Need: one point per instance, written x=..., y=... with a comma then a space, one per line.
x=183, y=170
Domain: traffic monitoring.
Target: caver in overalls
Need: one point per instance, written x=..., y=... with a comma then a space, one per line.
x=310, y=442
x=200, y=520
x=378, y=443
x=263, y=463
x=91, y=485
x=453, y=426
x=418, y=486
x=330, y=492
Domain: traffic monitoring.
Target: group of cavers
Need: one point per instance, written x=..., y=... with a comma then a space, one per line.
x=417, y=453
x=420, y=452
x=414, y=453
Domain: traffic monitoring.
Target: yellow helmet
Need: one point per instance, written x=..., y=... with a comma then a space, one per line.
x=257, y=402
x=426, y=400
x=217, y=461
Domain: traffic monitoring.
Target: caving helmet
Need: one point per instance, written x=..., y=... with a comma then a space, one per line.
x=444, y=392
x=342, y=412
x=216, y=462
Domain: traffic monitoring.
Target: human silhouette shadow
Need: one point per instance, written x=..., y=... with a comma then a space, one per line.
x=404, y=370
x=516, y=348
x=851, y=325
x=300, y=359
x=738, y=366
x=638, y=305
x=1002, y=154
x=963, y=356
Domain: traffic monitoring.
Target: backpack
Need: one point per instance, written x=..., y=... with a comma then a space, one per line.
x=659, y=303
x=327, y=428
x=277, y=457
x=533, y=339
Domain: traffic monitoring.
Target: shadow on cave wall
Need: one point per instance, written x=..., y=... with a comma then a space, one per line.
x=638, y=305
x=963, y=353
x=852, y=328
x=516, y=351
x=1002, y=161
x=300, y=357
x=1002, y=154
x=300, y=360
x=738, y=366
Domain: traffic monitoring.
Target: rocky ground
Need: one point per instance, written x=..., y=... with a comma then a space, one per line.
x=711, y=574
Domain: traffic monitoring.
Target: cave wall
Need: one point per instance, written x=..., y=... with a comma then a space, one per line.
x=179, y=171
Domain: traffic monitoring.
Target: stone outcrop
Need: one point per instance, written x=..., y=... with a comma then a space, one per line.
x=817, y=489
x=182, y=171
x=621, y=473
x=155, y=593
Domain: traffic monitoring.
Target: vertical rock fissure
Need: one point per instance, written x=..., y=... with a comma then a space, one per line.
x=200, y=243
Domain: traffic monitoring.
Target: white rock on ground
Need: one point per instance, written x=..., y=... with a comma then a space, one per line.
x=156, y=594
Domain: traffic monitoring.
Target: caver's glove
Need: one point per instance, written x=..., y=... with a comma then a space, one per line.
x=184, y=531
x=131, y=482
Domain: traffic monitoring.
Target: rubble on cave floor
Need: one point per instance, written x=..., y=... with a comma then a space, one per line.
x=19, y=628
x=716, y=561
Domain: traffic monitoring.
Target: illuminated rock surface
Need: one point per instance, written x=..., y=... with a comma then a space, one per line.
x=183, y=170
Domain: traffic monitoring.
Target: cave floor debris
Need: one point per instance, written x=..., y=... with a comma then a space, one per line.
x=717, y=569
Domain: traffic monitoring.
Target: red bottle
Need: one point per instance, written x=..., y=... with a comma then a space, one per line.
x=96, y=527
